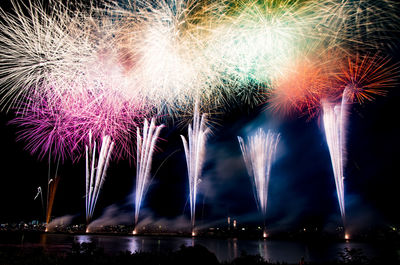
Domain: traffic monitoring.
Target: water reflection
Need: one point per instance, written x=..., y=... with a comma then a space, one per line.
x=235, y=251
x=43, y=239
x=189, y=242
x=133, y=245
x=224, y=249
x=83, y=239
x=262, y=249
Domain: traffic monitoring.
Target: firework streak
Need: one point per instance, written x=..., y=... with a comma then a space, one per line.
x=258, y=155
x=335, y=117
x=145, y=148
x=96, y=168
x=52, y=188
x=195, y=151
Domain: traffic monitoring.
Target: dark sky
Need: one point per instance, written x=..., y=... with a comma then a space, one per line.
x=302, y=189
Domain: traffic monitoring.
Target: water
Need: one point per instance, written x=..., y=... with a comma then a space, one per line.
x=224, y=249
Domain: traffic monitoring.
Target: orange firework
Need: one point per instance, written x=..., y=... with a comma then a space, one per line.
x=53, y=183
x=300, y=87
x=366, y=77
x=307, y=81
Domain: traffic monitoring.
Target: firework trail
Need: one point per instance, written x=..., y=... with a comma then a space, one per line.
x=51, y=192
x=40, y=192
x=335, y=121
x=145, y=148
x=96, y=169
x=195, y=152
x=258, y=155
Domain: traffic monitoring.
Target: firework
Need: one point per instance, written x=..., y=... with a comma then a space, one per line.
x=257, y=38
x=39, y=46
x=195, y=153
x=357, y=25
x=46, y=129
x=364, y=77
x=145, y=148
x=258, y=155
x=335, y=118
x=160, y=52
x=300, y=88
x=51, y=193
x=96, y=169
x=40, y=192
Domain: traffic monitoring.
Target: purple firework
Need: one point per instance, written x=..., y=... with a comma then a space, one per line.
x=46, y=129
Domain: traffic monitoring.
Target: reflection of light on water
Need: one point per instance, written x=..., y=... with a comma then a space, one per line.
x=307, y=252
x=235, y=248
x=229, y=250
x=189, y=242
x=133, y=245
x=43, y=239
x=83, y=239
x=262, y=249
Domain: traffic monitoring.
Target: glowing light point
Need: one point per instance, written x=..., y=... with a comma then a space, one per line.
x=346, y=236
x=193, y=233
x=87, y=230
x=134, y=232
x=265, y=235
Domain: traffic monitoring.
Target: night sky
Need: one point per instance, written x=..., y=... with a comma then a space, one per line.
x=301, y=192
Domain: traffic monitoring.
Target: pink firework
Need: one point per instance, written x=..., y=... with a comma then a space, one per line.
x=103, y=115
x=61, y=129
x=46, y=129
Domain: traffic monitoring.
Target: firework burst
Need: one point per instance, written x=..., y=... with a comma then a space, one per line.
x=358, y=25
x=365, y=77
x=46, y=129
x=39, y=45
